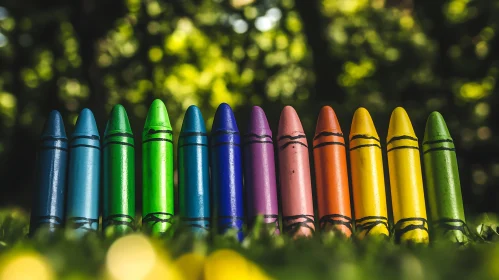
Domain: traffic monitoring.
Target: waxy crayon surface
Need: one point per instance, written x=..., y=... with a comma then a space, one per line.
x=119, y=174
x=50, y=186
x=368, y=181
x=442, y=181
x=84, y=175
x=294, y=173
x=406, y=182
x=226, y=172
x=157, y=169
x=193, y=170
x=260, y=180
x=333, y=194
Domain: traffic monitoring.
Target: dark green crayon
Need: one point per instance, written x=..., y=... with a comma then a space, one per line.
x=442, y=181
x=157, y=168
x=119, y=174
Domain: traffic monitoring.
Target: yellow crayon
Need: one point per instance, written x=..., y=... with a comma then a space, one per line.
x=368, y=180
x=404, y=164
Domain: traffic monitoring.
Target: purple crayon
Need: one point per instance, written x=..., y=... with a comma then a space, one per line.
x=260, y=169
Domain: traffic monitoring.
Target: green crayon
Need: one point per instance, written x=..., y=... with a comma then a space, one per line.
x=119, y=174
x=157, y=168
x=442, y=181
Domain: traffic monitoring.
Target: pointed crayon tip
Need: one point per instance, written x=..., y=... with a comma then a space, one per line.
x=327, y=121
x=436, y=128
x=400, y=124
x=157, y=116
x=258, y=122
x=289, y=122
x=118, y=122
x=54, y=126
x=224, y=119
x=86, y=125
x=362, y=123
x=193, y=120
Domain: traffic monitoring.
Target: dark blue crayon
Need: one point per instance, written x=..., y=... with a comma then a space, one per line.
x=84, y=174
x=48, y=201
x=226, y=171
x=193, y=168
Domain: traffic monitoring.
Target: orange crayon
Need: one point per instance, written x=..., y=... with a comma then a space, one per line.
x=333, y=196
x=294, y=174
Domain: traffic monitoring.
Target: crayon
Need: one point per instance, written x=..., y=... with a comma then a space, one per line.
x=227, y=178
x=442, y=181
x=333, y=194
x=406, y=182
x=294, y=176
x=193, y=172
x=157, y=169
x=259, y=174
x=50, y=186
x=119, y=174
x=368, y=181
x=82, y=212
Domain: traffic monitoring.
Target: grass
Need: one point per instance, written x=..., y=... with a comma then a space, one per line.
x=325, y=256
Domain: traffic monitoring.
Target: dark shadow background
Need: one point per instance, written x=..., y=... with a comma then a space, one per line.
x=423, y=55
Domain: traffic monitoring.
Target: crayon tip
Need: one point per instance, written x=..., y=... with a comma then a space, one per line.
x=327, y=121
x=54, y=126
x=289, y=122
x=400, y=124
x=362, y=123
x=86, y=125
x=157, y=116
x=224, y=119
x=258, y=122
x=118, y=122
x=436, y=128
x=193, y=120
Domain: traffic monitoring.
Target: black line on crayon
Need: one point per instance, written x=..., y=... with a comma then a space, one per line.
x=402, y=147
x=364, y=136
x=193, y=144
x=207, y=227
x=224, y=143
x=439, y=149
x=444, y=224
x=51, y=218
x=371, y=218
x=117, y=143
x=363, y=146
x=399, y=230
x=284, y=146
x=257, y=141
x=221, y=132
x=290, y=137
x=328, y=143
x=81, y=222
x=187, y=134
x=157, y=139
x=369, y=222
x=122, y=134
x=44, y=148
x=438, y=141
x=111, y=220
x=402, y=137
x=231, y=217
x=327, y=133
x=91, y=137
x=195, y=219
x=52, y=138
x=292, y=228
x=153, y=217
x=267, y=216
x=257, y=135
x=231, y=223
x=154, y=131
x=86, y=146
x=336, y=219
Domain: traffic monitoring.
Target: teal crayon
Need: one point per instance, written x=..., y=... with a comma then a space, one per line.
x=193, y=170
x=118, y=215
x=50, y=187
x=82, y=212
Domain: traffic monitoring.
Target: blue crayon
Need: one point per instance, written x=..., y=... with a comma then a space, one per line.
x=48, y=201
x=84, y=174
x=226, y=171
x=193, y=168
